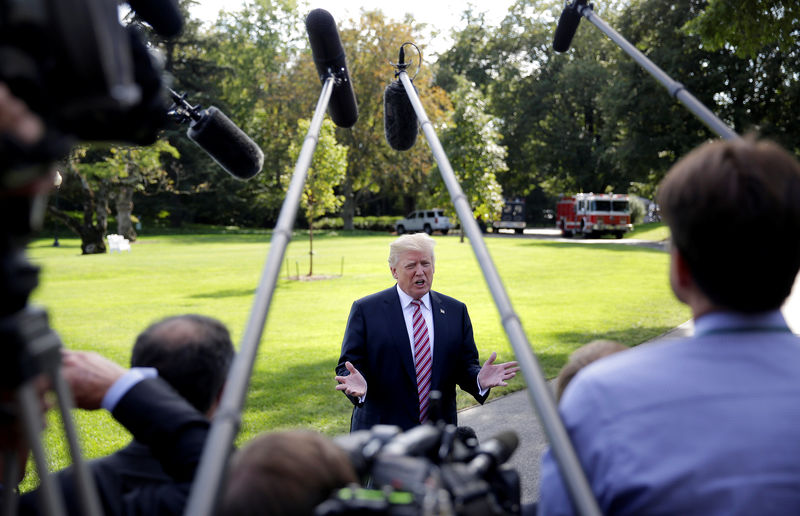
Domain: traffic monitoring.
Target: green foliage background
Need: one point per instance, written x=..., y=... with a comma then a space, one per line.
x=516, y=118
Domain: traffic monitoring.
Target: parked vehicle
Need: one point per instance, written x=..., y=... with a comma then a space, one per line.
x=424, y=220
x=513, y=217
x=592, y=214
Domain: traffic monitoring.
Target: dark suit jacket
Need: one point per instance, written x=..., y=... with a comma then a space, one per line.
x=152, y=475
x=376, y=343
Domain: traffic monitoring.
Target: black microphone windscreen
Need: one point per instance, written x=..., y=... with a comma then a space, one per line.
x=502, y=445
x=415, y=442
x=495, y=452
x=399, y=118
x=216, y=134
x=566, y=28
x=326, y=47
x=163, y=15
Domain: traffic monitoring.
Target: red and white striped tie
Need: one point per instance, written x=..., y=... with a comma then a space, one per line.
x=422, y=360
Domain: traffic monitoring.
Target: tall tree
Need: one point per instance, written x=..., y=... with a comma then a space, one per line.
x=748, y=27
x=373, y=167
x=471, y=141
x=136, y=169
x=85, y=182
x=327, y=170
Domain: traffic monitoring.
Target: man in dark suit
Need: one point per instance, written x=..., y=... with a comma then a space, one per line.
x=404, y=342
x=191, y=353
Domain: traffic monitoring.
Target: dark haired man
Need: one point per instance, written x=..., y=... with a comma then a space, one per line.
x=708, y=424
x=192, y=353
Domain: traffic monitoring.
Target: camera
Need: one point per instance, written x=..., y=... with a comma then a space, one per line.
x=82, y=72
x=430, y=469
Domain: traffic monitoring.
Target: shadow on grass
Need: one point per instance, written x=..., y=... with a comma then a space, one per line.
x=655, y=247
x=234, y=292
x=299, y=394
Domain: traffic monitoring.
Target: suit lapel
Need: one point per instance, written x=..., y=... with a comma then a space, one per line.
x=399, y=333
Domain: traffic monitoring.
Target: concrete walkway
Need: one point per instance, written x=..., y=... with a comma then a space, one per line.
x=515, y=412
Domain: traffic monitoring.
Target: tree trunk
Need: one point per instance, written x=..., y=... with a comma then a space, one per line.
x=100, y=208
x=310, y=248
x=92, y=235
x=124, y=210
x=349, y=205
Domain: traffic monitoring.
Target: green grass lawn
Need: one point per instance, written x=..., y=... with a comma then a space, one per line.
x=566, y=294
x=655, y=231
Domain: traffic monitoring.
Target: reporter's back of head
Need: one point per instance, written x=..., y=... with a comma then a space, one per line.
x=191, y=352
x=733, y=209
x=284, y=474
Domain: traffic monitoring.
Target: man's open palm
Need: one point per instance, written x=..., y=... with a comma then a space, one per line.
x=495, y=375
x=353, y=384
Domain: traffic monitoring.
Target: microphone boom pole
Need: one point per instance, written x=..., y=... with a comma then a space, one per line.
x=211, y=471
x=540, y=394
x=675, y=88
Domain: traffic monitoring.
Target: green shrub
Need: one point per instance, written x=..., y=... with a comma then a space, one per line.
x=637, y=210
x=370, y=223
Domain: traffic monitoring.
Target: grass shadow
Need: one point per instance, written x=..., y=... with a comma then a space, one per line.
x=240, y=292
x=300, y=395
x=655, y=247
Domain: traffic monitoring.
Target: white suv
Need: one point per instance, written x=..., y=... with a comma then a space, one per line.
x=424, y=220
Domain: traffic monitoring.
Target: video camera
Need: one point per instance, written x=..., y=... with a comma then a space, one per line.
x=430, y=469
x=84, y=73
x=87, y=77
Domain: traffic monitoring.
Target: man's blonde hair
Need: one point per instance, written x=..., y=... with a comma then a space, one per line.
x=412, y=242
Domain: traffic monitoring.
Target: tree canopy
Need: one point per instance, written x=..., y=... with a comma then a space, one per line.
x=516, y=119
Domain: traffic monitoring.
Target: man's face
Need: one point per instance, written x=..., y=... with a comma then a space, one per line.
x=414, y=273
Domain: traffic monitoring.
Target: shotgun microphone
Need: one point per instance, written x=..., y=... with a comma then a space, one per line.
x=399, y=118
x=567, y=26
x=329, y=58
x=216, y=134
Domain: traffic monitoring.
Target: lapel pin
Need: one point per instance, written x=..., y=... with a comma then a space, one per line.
x=441, y=310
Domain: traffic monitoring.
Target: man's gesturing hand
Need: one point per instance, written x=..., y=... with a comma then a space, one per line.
x=354, y=384
x=495, y=375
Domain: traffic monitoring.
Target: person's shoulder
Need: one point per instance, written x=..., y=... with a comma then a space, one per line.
x=381, y=296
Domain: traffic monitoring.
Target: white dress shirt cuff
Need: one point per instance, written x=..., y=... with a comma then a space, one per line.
x=125, y=383
x=481, y=390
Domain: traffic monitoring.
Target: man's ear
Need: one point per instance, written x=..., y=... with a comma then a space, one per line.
x=685, y=287
x=681, y=269
x=215, y=404
x=394, y=272
x=680, y=279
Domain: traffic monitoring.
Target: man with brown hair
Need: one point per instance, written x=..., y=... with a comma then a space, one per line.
x=285, y=474
x=707, y=424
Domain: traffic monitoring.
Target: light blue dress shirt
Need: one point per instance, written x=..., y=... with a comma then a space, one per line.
x=704, y=425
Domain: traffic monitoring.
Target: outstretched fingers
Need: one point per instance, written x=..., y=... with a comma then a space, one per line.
x=353, y=384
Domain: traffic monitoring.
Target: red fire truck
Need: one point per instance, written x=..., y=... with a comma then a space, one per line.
x=592, y=214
